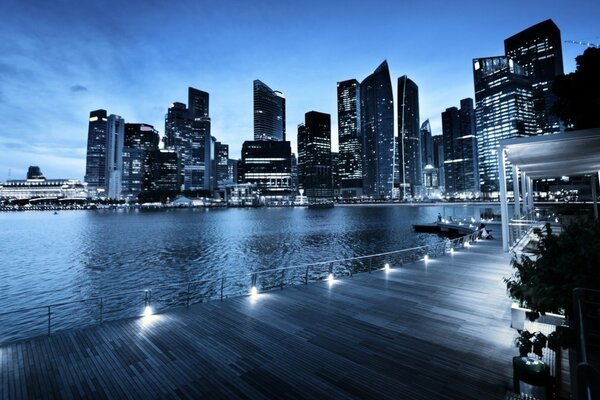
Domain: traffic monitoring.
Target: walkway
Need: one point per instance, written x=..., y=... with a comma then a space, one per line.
x=439, y=330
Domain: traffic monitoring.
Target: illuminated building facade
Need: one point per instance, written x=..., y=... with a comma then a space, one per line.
x=266, y=164
x=314, y=156
x=269, y=113
x=96, y=156
x=141, y=141
x=349, y=138
x=409, y=139
x=377, y=129
x=538, y=50
x=504, y=109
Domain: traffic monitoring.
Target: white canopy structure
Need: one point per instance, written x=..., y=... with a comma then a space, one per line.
x=536, y=157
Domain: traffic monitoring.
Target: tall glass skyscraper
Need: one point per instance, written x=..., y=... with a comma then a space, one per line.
x=460, y=148
x=187, y=131
x=141, y=141
x=538, y=49
x=377, y=128
x=114, y=155
x=314, y=156
x=97, y=144
x=409, y=138
x=269, y=113
x=349, y=138
x=267, y=164
x=504, y=109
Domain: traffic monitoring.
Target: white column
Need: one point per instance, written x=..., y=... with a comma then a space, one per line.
x=515, y=171
x=503, y=202
x=530, y=194
x=594, y=197
x=524, y=193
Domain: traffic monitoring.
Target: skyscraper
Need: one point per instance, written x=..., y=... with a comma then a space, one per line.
x=538, y=49
x=377, y=128
x=438, y=159
x=140, y=143
x=349, y=138
x=460, y=150
x=221, y=161
x=409, y=138
x=114, y=155
x=95, y=167
x=426, y=143
x=266, y=163
x=504, y=109
x=269, y=113
x=314, y=156
x=187, y=131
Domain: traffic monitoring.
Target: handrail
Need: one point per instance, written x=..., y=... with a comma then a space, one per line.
x=587, y=376
x=147, y=299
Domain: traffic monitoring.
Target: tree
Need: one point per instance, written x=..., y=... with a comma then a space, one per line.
x=578, y=93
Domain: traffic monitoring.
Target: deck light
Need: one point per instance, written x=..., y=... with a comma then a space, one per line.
x=426, y=258
x=253, y=291
x=451, y=250
x=467, y=244
x=147, y=311
x=386, y=267
x=330, y=278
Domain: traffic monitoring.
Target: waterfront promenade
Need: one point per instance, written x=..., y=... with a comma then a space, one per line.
x=439, y=330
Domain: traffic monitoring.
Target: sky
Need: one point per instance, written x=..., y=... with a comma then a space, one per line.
x=59, y=60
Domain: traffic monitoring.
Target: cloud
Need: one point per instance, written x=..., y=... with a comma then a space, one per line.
x=78, y=88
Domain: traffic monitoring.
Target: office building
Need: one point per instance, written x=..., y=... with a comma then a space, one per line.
x=165, y=172
x=140, y=143
x=114, y=155
x=269, y=113
x=96, y=156
x=266, y=164
x=460, y=151
x=349, y=138
x=504, y=109
x=409, y=139
x=314, y=156
x=538, y=50
x=221, y=164
x=377, y=129
x=438, y=159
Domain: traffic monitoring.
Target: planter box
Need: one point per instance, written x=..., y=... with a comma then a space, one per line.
x=518, y=317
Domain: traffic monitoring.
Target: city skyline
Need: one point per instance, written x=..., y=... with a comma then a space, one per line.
x=64, y=61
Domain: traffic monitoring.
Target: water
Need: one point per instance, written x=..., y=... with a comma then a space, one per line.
x=78, y=255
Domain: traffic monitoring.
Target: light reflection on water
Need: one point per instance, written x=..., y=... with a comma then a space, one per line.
x=76, y=255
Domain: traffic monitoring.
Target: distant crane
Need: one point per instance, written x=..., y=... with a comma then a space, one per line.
x=587, y=44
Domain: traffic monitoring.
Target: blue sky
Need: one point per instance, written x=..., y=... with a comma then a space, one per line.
x=59, y=60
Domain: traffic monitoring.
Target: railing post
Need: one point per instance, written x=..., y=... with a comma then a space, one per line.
x=370, y=264
x=189, y=295
x=101, y=310
x=222, y=284
x=49, y=323
x=282, y=277
x=306, y=276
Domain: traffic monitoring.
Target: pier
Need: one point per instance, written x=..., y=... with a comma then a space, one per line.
x=429, y=329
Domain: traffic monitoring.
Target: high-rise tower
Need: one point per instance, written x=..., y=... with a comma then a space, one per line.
x=349, y=138
x=504, y=109
x=409, y=139
x=269, y=113
x=377, y=128
x=314, y=155
x=95, y=168
x=538, y=49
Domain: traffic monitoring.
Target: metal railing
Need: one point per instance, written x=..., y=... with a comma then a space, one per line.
x=586, y=304
x=51, y=318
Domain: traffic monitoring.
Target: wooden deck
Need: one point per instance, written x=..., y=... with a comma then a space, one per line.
x=435, y=331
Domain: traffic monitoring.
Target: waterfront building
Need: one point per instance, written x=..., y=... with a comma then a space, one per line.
x=314, y=156
x=426, y=144
x=460, y=151
x=34, y=172
x=269, y=113
x=140, y=143
x=504, y=109
x=165, y=171
x=409, y=138
x=294, y=165
x=221, y=164
x=96, y=155
x=267, y=164
x=187, y=131
x=538, y=50
x=349, y=139
x=232, y=170
x=41, y=190
x=430, y=173
x=114, y=160
x=377, y=130
x=438, y=159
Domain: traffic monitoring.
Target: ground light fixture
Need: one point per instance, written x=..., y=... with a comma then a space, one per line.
x=253, y=291
x=426, y=258
x=147, y=311
x=467, y=244
x=451, y=250
x=330, y=278
x=386, y=267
